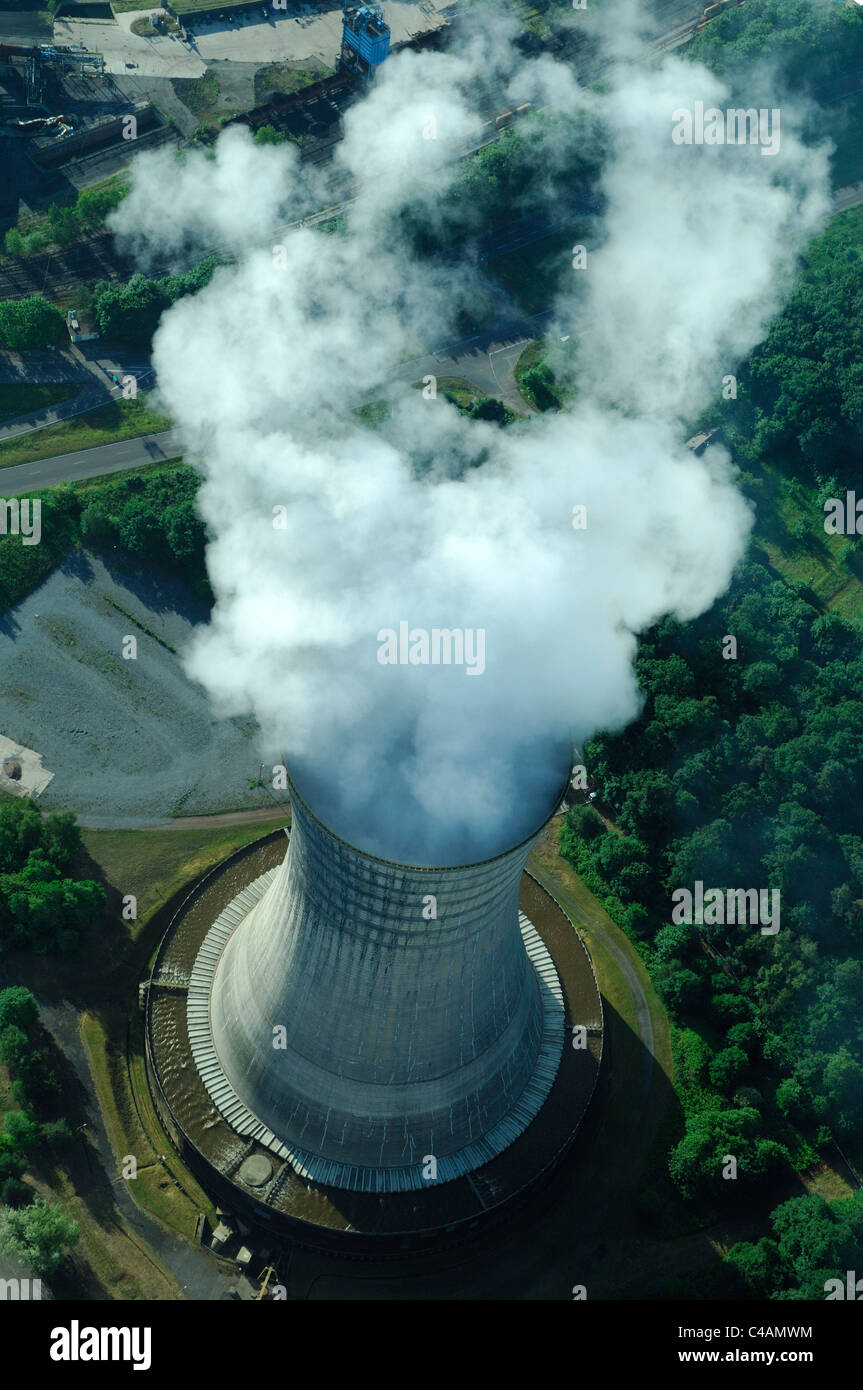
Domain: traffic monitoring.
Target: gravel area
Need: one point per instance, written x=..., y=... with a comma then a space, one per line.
x=130, y=742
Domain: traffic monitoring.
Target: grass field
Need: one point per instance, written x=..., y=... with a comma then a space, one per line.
x=20, y=400
x=456, y=389
x=166, y=1190
x=106, y=425
x=593, y=923
x=154, y=864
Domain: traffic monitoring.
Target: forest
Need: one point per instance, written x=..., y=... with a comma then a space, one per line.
x=745, y=770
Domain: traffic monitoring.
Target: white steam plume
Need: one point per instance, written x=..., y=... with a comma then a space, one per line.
x=441, y=521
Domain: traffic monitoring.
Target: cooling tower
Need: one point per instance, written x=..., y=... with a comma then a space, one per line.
x=358, y=1016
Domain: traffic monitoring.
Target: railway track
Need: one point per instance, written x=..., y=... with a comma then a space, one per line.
x=58, y=274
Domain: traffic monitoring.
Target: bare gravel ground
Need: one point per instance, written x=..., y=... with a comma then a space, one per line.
x=130, y=742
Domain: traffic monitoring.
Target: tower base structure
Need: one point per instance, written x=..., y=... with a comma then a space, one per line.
x=211, y=1100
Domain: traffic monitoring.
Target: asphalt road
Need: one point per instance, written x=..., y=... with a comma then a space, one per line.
x=89, y=463
x=487, y=359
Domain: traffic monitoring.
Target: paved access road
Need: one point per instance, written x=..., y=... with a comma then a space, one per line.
x=487, y=360
x=90, y=463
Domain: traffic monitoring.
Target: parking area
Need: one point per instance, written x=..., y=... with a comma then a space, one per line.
x=262, y=35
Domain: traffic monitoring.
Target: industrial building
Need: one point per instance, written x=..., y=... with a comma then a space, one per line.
x=365, y=38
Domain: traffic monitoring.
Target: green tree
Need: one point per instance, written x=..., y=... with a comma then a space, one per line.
x=268, y=135
x=758, y=1266
x=14, y=1047
x=488, y=408
x=61, y=840
x=728, y=1068
x=40, y=1235
x=30, y=323
x=14, y=242
x=14, y=1193
x=18, y=1009
x=20, y=1130
x=817, y=1240
x=540, y=387
x=696, y=1163
x=93, y=205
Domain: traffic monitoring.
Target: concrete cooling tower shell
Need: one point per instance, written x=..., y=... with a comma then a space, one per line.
x=359, y=1017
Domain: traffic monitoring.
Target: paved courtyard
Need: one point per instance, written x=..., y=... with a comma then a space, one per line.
x=296, y=35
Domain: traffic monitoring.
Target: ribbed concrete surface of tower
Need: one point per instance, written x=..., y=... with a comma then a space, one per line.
x=358, y=1016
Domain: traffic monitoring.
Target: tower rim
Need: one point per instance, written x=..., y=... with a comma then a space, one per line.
x=424, y=868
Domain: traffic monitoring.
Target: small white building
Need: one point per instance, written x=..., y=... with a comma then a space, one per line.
x=81, y=329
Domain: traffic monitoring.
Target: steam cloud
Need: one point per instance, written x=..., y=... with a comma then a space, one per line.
x=434, y=519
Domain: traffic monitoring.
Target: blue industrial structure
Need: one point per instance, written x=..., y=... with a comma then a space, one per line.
x=365, y=37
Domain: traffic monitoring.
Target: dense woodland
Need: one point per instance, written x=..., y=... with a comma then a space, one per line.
x=808, y=45
x=800, y=395
x=747, y=772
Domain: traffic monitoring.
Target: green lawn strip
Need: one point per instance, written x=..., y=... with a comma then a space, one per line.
x=166, y=1190
x=107, y=424
x=531, y=356
x=154, y=864
x=589, y=915
x=158, y=866
x=462, y=394
x=198, y=6
x=457, y=389
x=21, y=400
x=105, y=480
